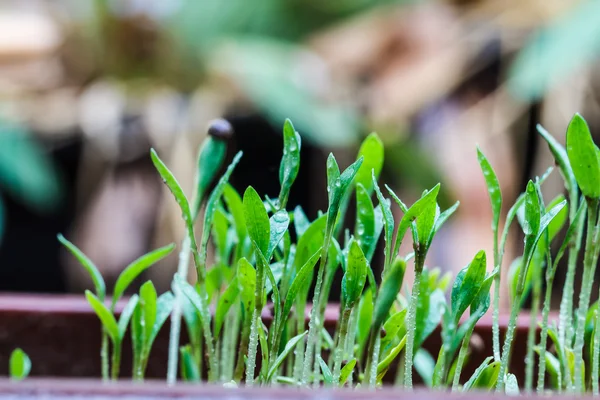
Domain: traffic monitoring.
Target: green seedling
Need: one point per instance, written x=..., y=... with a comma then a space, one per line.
x=19, y=365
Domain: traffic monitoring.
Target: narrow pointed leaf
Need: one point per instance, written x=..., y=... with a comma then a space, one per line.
x=372, y=151
x=88, y=265
x=290, y=162
x=257, y=220
x=126, y=314
x=583, y=157
x=210, y=159
x=289, y=347
x=134, y=270
x=105, y=315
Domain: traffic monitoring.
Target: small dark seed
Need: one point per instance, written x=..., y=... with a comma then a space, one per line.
x=220, y=129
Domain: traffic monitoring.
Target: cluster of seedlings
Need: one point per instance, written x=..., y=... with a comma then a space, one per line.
x=246, y=314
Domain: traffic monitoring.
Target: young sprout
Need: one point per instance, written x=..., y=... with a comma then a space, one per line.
x=19, y=365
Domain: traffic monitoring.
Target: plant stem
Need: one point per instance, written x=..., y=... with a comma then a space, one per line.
x=596, y=352
x=116, y=361
x=375, y=362
x=243, y=350
x=544, y=334
x=252, y=350
x=104, y=355
x=589, y=267
x=340, y=347
x=314, y=324
x=461, y=358
x=299, y=351
x=411, y=322
x=496, y=310
x=174, y=334
x=531, y=334
x=512, y=322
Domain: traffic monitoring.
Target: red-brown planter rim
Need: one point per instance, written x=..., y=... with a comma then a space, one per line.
x=62, y=336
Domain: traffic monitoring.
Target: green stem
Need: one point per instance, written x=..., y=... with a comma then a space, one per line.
x=314, y=323
x=299, y=351
x=531, y=334
x=411, y=323
x=496, y=310
x=184, y=258
x=243, y=350
x=544, y=334
x=596, y=352
x=512, y=322
x=252, y=350
x=462, y=354
x=340, y=347
x=375, y=362
x=116, y=361
x=230, y=335
x=589, y=267
x=104, y=355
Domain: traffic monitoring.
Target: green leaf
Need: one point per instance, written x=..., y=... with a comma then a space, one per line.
x=236, y=209
x=301, y=222
x=19, y=365
x=531, y=223
x=347, y=371
x=390, y=287
x=364, y=230
x=384, y=364
x=583, y=157
x=188, y=365
x=365, y=318
x=148, y=298
x=355, y=276
x=394, y=327
x=88, y=265
x=299, y=283
x=164, y=306
x=388, y=225
x=511, y=385
x=213, y=202
x=440, y=220
x=220, y=230
x=424, y=365
x=467, y=285
x=430, y=307
x=257, y=220
x=290, y=162
x=246, y=275
x=278, y=224
x=193, y=296
x=372, y=151
x=327, y=375
x=105, y=315
x=427, y=201
x=134, y=270
x=310, y=241
x=562, y=159
x=338, y=185
x=289, y=347
x=561, y=218
x=226, y=300
x=210, y=159
x=174, y=186
x=493, y=188
x=126, y=315
x=485, y=376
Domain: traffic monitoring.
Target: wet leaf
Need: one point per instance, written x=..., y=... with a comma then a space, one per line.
x=493, y=187
x=327, y=375
x=257, y=220
x=88, y=265
x=467, y=285
x=562, y=159
x=188, y=365
x=347, y=371
x=134, y=270
x=372, y=151
x=290, y=162
x=210, y=159
x=511, y=385
x=301, y=222
x=388, y=225
x=164, y=306
x=300, y=282
x=126, y=315
x=355, y=276
x=278, y=227
x=236, y=209
x=289, y=347
x=364, y=230
x=485, y=376
x=105, y=315
x=531, y=223
x=583, y=156
x=226, y=300
x=390, y=287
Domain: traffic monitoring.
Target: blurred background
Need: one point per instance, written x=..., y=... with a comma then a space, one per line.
x=88, y=86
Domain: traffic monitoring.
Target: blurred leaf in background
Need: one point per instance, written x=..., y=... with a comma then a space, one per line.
x=556, y=51
x=26, y=172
